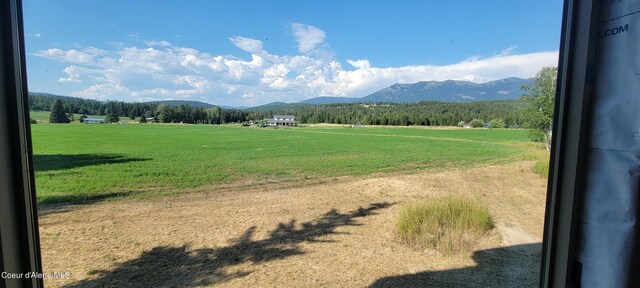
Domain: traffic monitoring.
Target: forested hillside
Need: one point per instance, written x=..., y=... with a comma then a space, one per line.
x=164, y=113
x=421, y=113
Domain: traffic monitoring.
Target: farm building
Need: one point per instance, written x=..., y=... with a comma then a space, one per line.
x=93, y=120
x=282, y=120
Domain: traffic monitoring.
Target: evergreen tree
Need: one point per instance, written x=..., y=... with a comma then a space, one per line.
x=57, y=113
x=143, y=119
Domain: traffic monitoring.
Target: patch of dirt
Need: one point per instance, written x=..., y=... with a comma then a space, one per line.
x=515, y=236
x=334, y=233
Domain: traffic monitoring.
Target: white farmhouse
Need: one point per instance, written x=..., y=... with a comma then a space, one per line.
x=282, y=121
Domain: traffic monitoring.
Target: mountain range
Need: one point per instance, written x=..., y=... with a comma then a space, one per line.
x=182, y=102
x=442, y=91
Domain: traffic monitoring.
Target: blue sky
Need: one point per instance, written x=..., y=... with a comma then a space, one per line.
x=256, y=52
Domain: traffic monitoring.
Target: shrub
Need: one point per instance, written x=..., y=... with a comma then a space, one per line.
x=496, y=123
x=33, y=121
x=477, y=123
x=537, y=135
x=461, y=124
x=448, y=225
x=111, y=118
x=143, y=119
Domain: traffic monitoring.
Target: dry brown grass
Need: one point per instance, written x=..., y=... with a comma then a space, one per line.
x=450, y=225
x=338, y=233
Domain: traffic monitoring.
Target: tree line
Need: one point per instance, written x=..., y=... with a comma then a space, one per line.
x=161, y=112
x=426, y=113
x=399, y=114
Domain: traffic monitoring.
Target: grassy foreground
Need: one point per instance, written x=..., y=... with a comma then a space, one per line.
x=77, y=161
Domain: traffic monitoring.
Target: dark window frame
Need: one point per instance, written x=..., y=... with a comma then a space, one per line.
x=568, y=150
x=19, y=237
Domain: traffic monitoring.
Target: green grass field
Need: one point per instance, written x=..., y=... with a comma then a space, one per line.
x=43, y=116
x=75, y=162
x=40, y=116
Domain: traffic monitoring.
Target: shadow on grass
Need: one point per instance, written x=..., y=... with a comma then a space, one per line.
x=64, y=203
x=513, y=266
x=184, y=267
x=70, y=161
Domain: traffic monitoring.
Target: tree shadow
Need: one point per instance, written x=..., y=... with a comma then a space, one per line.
x=64, y=203
x=69, y=161
x=513, y=266
x=183, y=267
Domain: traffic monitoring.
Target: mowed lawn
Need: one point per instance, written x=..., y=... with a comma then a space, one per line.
x=80, y=161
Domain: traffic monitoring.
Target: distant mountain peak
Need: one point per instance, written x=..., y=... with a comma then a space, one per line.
x=450, y=91
x=191, y=103
x=329, y=100
x=443, y=91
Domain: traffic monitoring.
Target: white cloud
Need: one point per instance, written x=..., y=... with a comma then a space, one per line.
x=157, y=43
x=508, y=51
x=154, y=91
x=161, y=70
x=308, y=37
x=72, y=75
x=276, y=77
x=71, y=55
x=360, y=64
x=247, y=44
x=75, y=74
x=100, y=91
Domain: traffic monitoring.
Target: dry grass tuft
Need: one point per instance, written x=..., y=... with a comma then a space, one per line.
x=449, y=225
x=534, y=151
x=539, y=153
x=542, y=168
